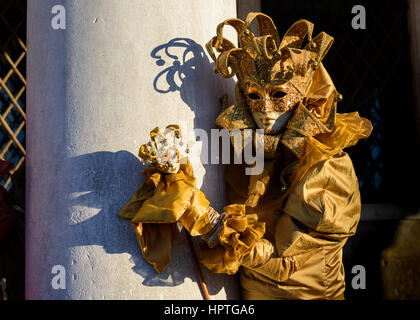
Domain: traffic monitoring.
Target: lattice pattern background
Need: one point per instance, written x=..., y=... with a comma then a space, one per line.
x=12, y=83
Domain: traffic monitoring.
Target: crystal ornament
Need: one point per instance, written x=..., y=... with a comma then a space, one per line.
x=165, y=149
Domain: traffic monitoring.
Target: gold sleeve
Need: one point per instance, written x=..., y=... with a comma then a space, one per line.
x=261, y=260
x=327, y=199
x=322, y=209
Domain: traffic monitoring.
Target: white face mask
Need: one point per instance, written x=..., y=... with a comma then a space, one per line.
x=271, y=105
x=273, y=121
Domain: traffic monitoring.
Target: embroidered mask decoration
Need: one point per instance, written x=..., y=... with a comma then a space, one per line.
x=271, y=106
x=273, y=75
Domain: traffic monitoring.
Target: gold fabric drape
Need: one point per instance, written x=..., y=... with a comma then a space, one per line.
x=288, y=242
x=162, y=200
x=307, y=225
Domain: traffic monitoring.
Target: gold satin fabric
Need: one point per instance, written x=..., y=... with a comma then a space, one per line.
x=240, y=232
x=164, y=199
x=320, y=213
x=307, y=226
x=289, y=244
x=160, y=201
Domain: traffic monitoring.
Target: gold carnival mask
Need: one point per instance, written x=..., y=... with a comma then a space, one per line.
x=273, y=75
x=271, y=105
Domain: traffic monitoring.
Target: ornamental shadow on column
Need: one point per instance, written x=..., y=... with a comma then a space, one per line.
x=187, y=69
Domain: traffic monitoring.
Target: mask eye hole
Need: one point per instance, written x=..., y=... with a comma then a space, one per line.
x=279, y=94
x=253, y=96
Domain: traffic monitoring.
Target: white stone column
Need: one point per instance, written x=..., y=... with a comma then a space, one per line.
x=94, y=94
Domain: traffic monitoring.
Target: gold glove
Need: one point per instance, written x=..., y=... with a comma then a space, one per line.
x=167, y=195
x=238, y=234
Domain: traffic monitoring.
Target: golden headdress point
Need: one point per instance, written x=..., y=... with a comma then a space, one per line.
x=266, y=58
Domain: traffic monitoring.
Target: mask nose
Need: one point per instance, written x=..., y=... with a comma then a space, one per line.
x=267, y=103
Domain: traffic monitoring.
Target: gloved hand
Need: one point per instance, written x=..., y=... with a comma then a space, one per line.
x=176, y=198
x=167, y=195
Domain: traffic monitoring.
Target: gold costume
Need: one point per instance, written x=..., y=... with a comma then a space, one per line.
x=287, y=226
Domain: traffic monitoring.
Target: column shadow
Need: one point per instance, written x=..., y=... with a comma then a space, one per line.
x=186, y=69
x=106, y=181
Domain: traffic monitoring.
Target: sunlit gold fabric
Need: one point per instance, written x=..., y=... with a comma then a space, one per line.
x=284, y=231
x=321, y=211
x=240, y=232
x=308, y=223
x=162, y=200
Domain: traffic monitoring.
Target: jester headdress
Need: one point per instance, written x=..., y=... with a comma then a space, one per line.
x=315, y=131
x=266, y=58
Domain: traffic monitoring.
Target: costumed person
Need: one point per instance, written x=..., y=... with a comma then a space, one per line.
x=286, y=227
